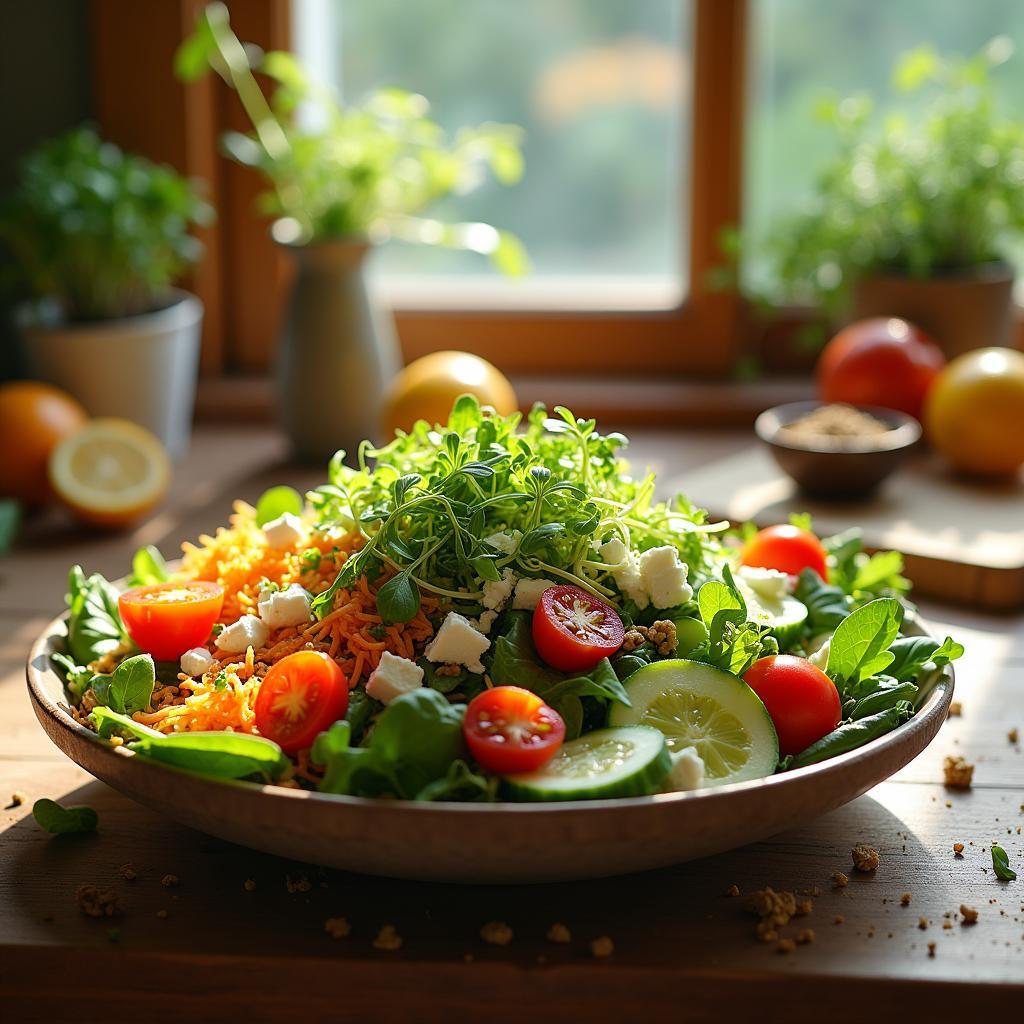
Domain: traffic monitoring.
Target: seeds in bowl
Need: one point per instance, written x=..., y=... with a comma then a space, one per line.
x=836, y=425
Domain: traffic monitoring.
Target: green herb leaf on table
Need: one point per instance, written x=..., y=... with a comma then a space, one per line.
x=860, y=643
x=1001, y=865
x=59, y=820
x=148, y=567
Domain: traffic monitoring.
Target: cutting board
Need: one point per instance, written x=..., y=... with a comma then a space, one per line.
x=963, y=541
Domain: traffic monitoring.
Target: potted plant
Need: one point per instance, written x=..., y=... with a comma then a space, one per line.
x=342, y=181
x=913, y=215
x=94, y=238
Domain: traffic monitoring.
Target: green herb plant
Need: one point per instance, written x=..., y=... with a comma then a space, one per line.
x=59, y=820
x=352, y=171
x=96, y=232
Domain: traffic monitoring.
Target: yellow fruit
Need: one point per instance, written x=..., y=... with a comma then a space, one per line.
x=33, y=418
x=427, y=388
x=110, y=473
x=974, y=414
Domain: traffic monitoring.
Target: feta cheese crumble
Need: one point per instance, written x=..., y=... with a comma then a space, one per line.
x=196, y=661
x=497, y=592
x=820, y=657
x=458, y=643
x=654, y=577
x=287, y=531
x=504, y=542
x=392, y=677
x=528, y=593
x=768, y=584
x=289, y=607
x=687, y=771
x=248, y=631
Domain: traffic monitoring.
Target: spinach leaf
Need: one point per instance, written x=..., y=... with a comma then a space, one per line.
x=129, y=687
x=912, y=653
x=719, y=604
x=733, y=644
x=76, y=677
x=883, y=697
x=94, y=623
x=414, y=743
x=59, y=820
x=860, y=645
x=361, y=710
x=148, y=567
x=461, y=784
x=516, y=663
x=827, y=605
x=398, y=600
x=221, y=755
x=1001, y=865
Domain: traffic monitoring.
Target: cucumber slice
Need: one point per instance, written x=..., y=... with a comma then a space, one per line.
x=607, y=763
x=786, y=618
x=695, y=705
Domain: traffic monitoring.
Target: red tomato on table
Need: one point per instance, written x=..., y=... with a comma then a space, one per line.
x=787, y=549
x=885, y=362
x=573, y=630
x=167, y=619
x=803, y=702
x=301, y=696
x=509, y=729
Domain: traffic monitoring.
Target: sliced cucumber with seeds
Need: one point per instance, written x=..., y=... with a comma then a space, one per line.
x=785, y=617
x=695, y=705
x=631, y=761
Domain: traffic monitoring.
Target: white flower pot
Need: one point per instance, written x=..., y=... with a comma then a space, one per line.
x=140, y=368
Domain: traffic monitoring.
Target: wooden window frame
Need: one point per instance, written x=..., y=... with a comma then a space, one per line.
x=243, y=280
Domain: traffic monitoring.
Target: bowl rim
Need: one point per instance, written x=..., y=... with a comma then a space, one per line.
x=935, y=705
x=904, y=433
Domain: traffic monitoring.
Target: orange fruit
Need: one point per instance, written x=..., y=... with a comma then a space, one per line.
x=428, y=387
x=974, y=414
x=110, y=473
x=33, y=418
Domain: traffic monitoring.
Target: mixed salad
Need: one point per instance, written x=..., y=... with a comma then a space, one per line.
x=494, y=609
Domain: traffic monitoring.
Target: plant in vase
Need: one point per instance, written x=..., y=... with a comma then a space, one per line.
x=915, y=213
x=94, y=239
x=343, y=178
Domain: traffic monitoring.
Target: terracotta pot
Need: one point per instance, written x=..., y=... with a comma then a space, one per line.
x=337, y=353
x=961, y=310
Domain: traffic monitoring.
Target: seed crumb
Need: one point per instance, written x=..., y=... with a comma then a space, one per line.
x=249, y=885
x=956, y=709
x=785, y=946
x=947, y=926
x=865, y=858
x=806, y=936
x=838, y=919
x=905, y=899
x=1013, y=735
x=969, y=914
x=922, y=923
x=958, y=849
x=733, y=890
x=95, y=902
x=602, y=947
x=388, y=939
x=169, y=881
x=337, y=927
x=931, y=949
x=300, y=884
x=496, y=933
x=957, y=773
x=127, y=872
x=162, y=914
x=17, y=799
x=559, y=933
x=840, y=879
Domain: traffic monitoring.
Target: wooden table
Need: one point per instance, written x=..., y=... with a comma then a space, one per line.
x=209, y=949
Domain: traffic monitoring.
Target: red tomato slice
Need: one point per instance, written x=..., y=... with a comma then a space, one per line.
x=167, y=619
x=573, y=630
x=509, y=729
x=299, y=698
x=802, y=700
x=787, y=549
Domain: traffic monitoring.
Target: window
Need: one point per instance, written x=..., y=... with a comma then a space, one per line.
x=603, y=89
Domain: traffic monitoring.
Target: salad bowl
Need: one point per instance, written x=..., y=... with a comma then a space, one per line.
x=479, y=843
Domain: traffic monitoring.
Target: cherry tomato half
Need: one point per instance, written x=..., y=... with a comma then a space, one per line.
x=301, y=696
x=787, y=549
x=509, y=729
x=802, y=700
x=573, y=630
x=167, y=619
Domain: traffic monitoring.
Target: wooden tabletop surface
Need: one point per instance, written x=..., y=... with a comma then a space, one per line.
x=208, y=948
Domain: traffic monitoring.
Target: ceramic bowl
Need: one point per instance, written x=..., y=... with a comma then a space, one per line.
x=838, y=473
x=483, y=843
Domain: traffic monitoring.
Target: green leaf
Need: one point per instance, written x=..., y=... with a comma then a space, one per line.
x=916, y=67
x=275, y=502
x=94, y=622
x=398, y=600
x=860, y=643
x=76, y=677
x=1001, y=865
x=719, y=605
x=509, y=256
x=130, y=687
x=10, y=520
x=148, y=567
x=827, y=605
x=460, y=784
x=192, y=58
x=58, y=820
x=912, y=653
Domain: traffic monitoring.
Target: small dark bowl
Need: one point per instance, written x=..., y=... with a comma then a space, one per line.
x=827, y=471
